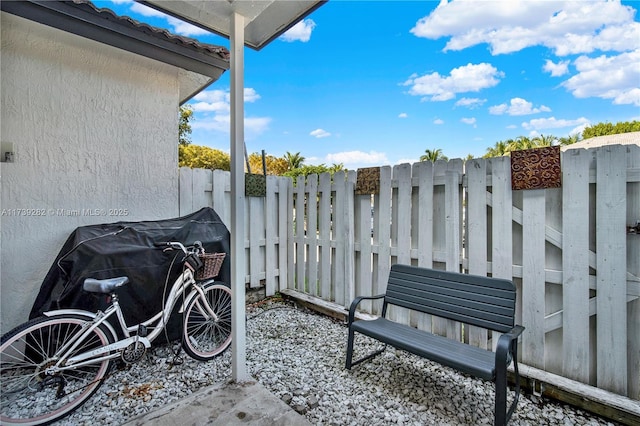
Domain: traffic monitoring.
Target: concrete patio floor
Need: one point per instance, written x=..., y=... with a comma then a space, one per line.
x=225, y=404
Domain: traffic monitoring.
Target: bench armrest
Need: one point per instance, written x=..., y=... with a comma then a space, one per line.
x=356, y=302
x=505, y=347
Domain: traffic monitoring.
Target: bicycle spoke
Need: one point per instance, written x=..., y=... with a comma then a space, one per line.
x=32, y=388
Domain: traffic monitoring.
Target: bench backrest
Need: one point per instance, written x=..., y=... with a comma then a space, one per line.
x=476, y=300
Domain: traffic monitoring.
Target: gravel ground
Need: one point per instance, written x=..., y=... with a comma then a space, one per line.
x=299, y=357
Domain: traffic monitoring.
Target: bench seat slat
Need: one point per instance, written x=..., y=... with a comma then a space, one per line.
x=455, y=312
x=468, y=359
x=494, y=297
x=471, y=299
x=455, y=277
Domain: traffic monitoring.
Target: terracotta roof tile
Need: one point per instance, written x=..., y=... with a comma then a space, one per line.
x=186, y=42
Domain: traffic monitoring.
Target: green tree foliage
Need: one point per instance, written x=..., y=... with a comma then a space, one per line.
x=184, y=126
x=604, y=129
x=203, y=157
x=433, y=155
x=306, y=170
x=294, y=161
x=499, y=149
x=275, y=165
x=569, y=140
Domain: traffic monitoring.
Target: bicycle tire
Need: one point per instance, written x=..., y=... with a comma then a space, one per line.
x=30, y=396
x=203, y=337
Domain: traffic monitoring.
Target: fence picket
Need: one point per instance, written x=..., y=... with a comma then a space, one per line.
x=340, y=218
x=423, y=172
x=311, y=234
x=533, y=279
x=611, y=269
x=185, y=189
x=221, y=188
x=452, y=223
x=299, y=234
x=270, y=243
x=364, y=275
x=324, y=190
x=255, y=221
x=575, y=265
x=633, y=265
x=501, y=224
x=476, y=232
x=382, y=233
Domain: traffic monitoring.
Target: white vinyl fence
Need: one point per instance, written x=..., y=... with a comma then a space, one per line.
x=572, y=251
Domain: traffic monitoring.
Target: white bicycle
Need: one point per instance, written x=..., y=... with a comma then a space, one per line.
x=51, y=365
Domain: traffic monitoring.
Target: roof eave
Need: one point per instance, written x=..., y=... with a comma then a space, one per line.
x=259, y=32
x=76, y=20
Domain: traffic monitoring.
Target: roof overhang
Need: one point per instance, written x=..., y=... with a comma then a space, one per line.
x=83, y=20
x=265, y=19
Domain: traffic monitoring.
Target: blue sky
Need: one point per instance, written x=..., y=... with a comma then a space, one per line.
x=371, y=83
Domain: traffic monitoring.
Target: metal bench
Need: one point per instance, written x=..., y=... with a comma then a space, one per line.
x=470, y=299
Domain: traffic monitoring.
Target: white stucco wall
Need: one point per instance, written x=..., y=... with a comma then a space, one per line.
x=93, y=128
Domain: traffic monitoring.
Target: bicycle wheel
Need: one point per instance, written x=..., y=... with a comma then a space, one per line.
x=30, y=395
x=205, y=336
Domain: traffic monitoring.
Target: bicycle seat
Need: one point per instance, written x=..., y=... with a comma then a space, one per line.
x=104, y=286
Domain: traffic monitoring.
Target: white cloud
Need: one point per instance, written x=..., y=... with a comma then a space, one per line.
x=250, y=95
x=185, y=29
x=556, y=70
x=566, y=27
x=607, y=77
x=407, y=161
x=177, y=26
x=300, y=31
x=553, y=123
x=320, y=133
x=470, y=103
x=402, y=115
x=357, y=158
x=467, y=78
x=469, y=120
x=438, y=121
x=517, y=106
x=146, y=10
x=253, y=126
x=218, y=102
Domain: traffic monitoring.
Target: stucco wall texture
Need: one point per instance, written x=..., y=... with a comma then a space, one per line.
x=94, y=131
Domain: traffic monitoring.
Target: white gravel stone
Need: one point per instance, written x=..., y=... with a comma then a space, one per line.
x=299, y=356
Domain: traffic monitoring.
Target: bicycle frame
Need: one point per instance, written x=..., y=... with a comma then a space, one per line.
x=113, y=350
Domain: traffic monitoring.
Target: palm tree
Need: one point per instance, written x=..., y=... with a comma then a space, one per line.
x=521, y=142
x=294, y=161
x=569, y=140
x=500, y=148
x=433, y=155
x=543, y=140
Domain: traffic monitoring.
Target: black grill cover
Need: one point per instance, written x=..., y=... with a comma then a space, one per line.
x=127, y=249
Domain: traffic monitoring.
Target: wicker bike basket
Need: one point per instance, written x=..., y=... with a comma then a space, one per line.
x=212, y=263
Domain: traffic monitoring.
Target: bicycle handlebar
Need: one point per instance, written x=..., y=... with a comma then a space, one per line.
x=197, y=246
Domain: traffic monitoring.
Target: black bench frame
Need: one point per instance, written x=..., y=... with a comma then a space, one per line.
x=470, y=299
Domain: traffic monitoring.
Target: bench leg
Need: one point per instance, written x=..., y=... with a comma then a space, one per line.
x=349, y=349
x=349, y=363
x=502, y=416
x=501, y=398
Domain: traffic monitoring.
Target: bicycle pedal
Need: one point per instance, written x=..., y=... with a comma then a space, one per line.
x=122, y=366
x=175, y=361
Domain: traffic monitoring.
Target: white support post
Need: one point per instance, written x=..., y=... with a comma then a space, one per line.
x=238, y=329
